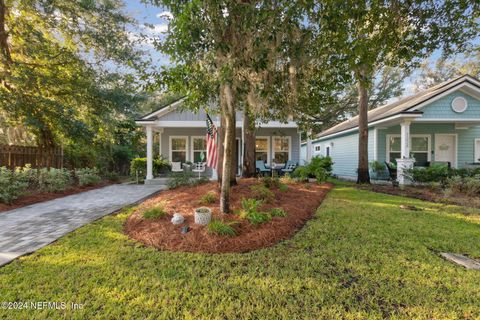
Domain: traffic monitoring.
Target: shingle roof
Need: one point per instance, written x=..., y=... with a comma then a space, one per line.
x=398, y=107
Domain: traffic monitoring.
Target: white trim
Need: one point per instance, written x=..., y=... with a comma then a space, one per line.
x=453, y=88
x=447, y=120
x=419, y=135
x=149, y=153
x=202, y=124
x=476, y=153
x=289, y=146
x=192, y=149
x=395, y=117
x=273, y=124
x=375, y=147
x=239, y=156
x=165, y=110
x=269, y=153
x=464, y=107
x=170, y=147
x=454, y=164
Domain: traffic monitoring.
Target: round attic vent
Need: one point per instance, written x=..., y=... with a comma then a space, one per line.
x=459, y=104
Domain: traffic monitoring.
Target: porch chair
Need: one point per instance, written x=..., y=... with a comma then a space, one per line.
x=290, y=166
x=261, y=169
x=392, y=172
x=199, y=167
x=177, y=167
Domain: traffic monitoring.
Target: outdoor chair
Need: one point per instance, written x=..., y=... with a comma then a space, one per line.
x=261, y=168
x=392, y=172
x=177, y=167
x=290, y=166
x=199, y=167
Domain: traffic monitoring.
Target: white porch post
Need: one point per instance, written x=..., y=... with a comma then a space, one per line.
x=309, y=146
x=160, y=131
x=405, y=162
x=149, y=153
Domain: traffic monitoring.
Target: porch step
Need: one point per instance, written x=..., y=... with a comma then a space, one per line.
x=157, y=181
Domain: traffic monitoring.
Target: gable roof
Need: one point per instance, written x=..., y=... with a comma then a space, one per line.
x=404, y=106
x=152, y=116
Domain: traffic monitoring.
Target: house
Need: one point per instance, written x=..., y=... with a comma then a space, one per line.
x=439, y=124
x=181, y=137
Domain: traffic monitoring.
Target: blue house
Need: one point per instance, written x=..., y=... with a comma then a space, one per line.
x=441, y=124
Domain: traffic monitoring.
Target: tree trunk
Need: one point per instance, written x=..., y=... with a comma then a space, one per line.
x=363, y=175
x=249, y=144
x=228, y=113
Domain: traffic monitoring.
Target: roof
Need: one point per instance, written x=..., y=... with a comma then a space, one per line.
x=154, y=114
x=404, y=106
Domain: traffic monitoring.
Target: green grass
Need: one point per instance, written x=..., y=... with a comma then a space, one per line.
x=360, y=257
x=277, y=212
x=155, y=212
x=221, y=228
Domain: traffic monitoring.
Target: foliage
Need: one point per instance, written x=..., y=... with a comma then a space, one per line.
x=53, y=180
x=155, y=212
x=208, y=198
x=469, y=186
x=277, y=212
x=434, y=173
x=13, y=184
x=221, y=228
x=283, y=187
x=359, y=242
x=203, y=210
x=319, y=167
x=377, y=166
x=286, y=179
x=87, y=176
x=179, y=179
x=271, y=182
x=160, y=165
x=251, y=212
x=261, y=192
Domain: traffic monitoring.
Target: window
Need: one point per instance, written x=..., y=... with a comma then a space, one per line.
x=262, y=149
x=419, y=148
x=393, y=148
x=178, y=149
x=281, y=149
x=327, y=151
x=477, y=151
x=199, y=151
x=317, y=148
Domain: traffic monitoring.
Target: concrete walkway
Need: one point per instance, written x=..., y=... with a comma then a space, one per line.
x=30, y=228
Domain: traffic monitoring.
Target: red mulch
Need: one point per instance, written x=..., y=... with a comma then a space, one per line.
x=300, y=201
x=37, y=196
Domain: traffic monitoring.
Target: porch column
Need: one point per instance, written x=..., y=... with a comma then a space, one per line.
x=405, y=162
x=160, y=131
x=149, y=153
x=309, y=146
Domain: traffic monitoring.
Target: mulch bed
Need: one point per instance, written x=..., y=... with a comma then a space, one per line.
x=33, y=197
x=426, y=193
x=300, y=201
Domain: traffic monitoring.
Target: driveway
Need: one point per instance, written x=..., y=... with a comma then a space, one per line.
x=25, y=230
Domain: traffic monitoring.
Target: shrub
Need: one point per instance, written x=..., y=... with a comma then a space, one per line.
x=250, y=211
x=12, y=185
x=160, y=165
x=377, y=166
x=278, y=212
x=87, y=176
x=260, y=192
x=112, y=176
x=434, y=173
x=178, y=179
x=270, y=182
x=155, y=212
x=221, y=228
x=466, y=185
x=286, y=179
x=283, y=187
x=208, y=198
x=319, y=168
x=53, y=180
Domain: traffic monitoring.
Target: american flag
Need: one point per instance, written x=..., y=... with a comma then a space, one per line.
x=212, y=157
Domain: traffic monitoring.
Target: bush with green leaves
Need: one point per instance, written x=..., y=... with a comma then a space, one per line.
x=13, y=184
x=53, y=180
x=222, y=228
x=435, y=173
x=155, y=212
x=277, y=212
x=319, y=168
x=270, y=182
x=260, y=192
x=250, y=211
x=139, y=165
x=469, y=186
x=179, y=179
x=208, y=198
x=87, y=176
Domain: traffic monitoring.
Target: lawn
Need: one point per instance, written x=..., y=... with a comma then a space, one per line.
x=361, y=256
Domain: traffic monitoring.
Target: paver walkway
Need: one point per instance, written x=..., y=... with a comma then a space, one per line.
x=30, y=228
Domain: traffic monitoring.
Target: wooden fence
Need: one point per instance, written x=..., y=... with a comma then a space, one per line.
x=19, y=156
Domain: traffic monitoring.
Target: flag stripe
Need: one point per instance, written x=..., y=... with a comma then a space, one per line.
x=211, y=137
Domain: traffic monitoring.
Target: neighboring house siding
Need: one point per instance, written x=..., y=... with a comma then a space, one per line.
x=344, y=153
x=442, y=108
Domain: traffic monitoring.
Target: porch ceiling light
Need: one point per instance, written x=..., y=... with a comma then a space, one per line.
x=459, y=104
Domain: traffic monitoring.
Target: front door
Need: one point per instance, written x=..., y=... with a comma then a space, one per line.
x=446, y=148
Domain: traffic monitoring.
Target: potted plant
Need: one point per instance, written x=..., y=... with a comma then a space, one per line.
x=203, y=215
